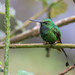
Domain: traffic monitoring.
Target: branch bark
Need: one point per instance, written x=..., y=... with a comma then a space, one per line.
x=67, y=70
x=65, y=21
x=40, y=45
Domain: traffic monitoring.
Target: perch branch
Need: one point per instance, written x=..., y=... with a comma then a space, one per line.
x=67, y=70
x=40, y=45
x=35, y=31
x=65, y=21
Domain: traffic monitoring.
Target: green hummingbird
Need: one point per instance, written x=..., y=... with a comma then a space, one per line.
x=50, y=33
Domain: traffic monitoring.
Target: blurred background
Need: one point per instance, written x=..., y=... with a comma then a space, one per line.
x=34, y=59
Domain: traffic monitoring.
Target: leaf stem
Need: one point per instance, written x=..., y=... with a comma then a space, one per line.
x=7, y=42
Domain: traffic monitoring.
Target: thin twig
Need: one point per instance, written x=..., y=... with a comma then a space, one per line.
x=67, y=70
x=40, y=45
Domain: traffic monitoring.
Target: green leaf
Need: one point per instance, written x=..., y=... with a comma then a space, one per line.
x=13, y=23
x=44, y=2
x=0, y=63
x=2, y=22
x=22, y=72
x=58, y=8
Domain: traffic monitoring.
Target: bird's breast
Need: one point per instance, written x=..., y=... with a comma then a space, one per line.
x=47, y=34
x=44, y=30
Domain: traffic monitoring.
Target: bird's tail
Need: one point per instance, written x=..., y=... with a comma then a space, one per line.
x=67, y=64
x=61, y=49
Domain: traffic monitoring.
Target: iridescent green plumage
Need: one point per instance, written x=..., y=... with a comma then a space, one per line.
x=49, y=32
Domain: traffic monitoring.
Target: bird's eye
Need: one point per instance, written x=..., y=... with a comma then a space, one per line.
x=45, y=22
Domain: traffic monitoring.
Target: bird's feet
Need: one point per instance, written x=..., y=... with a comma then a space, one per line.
x=47, y=49
x=46, y=43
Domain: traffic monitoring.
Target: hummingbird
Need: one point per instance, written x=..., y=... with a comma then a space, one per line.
x=50, y=33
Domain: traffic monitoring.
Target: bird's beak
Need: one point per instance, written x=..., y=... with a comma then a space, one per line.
x=35, y=20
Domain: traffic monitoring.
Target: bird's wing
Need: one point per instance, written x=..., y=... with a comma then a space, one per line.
x=57, y=32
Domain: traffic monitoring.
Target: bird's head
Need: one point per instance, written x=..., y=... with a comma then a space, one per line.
x=44, y=22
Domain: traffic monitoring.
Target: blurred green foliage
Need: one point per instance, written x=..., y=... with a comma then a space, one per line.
x=2, y=22
x=0, y=63
x=22, y=72
x=57, y=7
x=13, y=21
x=44, y=2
